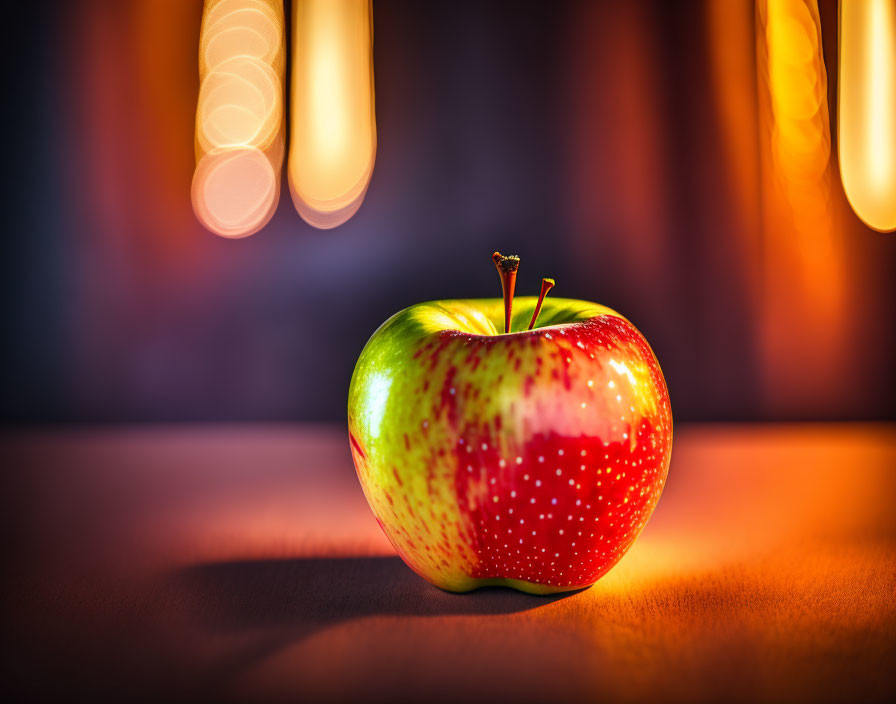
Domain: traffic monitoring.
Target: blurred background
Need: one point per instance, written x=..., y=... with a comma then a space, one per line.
x=635, y=151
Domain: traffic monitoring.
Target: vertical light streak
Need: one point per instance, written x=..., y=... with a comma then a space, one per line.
x=804, y=264
x=732, y=65
x=239, y=115
x=867, y=109
x=333, y=125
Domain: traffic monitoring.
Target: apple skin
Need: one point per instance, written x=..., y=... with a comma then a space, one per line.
x=530, y=460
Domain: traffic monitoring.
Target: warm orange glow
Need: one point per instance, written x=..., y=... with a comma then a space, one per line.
x=797, y=88
x=333, y=127
x=732, y=66
x=804, y=273
x=867, y=109
x=239, y=116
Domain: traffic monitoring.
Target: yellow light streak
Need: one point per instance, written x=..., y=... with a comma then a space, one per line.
x=867, y=109
x=333, y=126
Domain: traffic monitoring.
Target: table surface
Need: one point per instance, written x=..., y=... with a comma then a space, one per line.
x=241, y=562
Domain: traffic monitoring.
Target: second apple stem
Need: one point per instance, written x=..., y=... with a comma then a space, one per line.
x=546, y=285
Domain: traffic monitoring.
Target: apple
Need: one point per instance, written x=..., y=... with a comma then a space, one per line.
x=531, y=458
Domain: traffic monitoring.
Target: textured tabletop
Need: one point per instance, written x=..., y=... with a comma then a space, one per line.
x=242, y=563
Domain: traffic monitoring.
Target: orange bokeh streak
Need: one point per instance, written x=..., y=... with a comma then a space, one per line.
x=165, y=95
x=134, y=106
x=804, y=307
x=732, y=66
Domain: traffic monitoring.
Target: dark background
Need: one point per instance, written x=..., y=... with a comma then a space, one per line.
x=594, y=139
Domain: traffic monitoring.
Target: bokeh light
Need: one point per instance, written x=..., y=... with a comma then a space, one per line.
x=867, y=110
x=805, y=284
x=239, y=115
x=333, y=126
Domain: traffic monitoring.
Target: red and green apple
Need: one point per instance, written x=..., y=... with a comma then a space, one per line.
x=530, y=458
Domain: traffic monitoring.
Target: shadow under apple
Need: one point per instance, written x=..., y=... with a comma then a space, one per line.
x=261, y=606
x=253, y=594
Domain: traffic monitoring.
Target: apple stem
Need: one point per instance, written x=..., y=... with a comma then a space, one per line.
x=546, y=285
x=507, y=268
